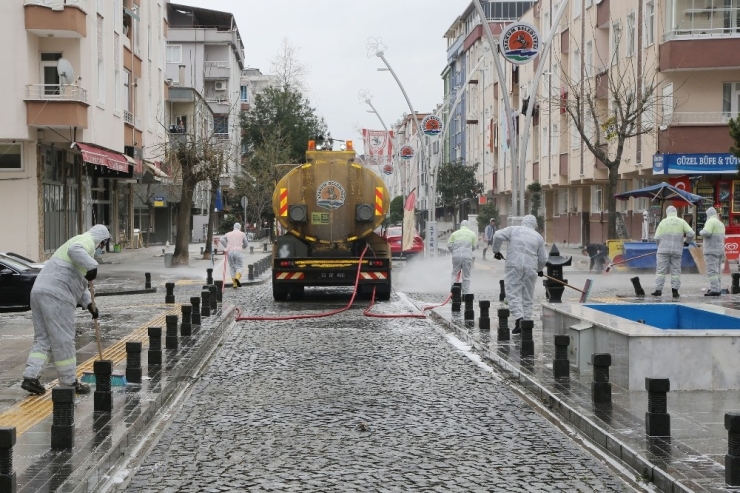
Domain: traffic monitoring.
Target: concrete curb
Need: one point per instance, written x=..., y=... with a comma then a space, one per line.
x=124, y=292
x=603, y=439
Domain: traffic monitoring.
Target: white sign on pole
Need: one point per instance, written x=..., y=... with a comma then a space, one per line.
x=431, y=239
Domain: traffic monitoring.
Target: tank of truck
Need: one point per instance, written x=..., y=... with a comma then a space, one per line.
x=330, y=200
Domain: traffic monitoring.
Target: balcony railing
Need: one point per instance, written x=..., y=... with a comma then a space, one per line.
x=128, y=117
x=700, y=118
x=701, y=32
x=216, y=65
x=58, y=4
x=57, y=92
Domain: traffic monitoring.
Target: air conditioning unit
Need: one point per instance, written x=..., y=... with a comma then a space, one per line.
x=221, y=85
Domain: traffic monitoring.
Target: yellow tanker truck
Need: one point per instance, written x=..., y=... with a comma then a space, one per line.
x=328, y=209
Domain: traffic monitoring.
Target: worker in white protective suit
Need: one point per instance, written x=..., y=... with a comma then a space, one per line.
x=671, y=234
x=526, y=257
x=234, y=242
x=645, y=226
x=58, y=289
x=461, y=244
x=713, y=235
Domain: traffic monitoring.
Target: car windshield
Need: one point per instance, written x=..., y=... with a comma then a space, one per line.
x=9, y=262
x=393, y=232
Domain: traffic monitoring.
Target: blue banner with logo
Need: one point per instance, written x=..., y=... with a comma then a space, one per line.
x=697, y=164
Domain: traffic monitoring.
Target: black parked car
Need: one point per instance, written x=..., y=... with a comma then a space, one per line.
x=16, y=281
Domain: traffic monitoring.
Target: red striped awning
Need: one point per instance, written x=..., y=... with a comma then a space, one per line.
x=103, y=157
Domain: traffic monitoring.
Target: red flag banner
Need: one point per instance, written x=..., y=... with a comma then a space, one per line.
x=378, y=144
x=682, y=183
x=408, y=222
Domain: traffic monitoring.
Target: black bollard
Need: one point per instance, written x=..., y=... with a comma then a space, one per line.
x=469, y=310
x=502, y=295
x=503, y=324
x=561, y=365
x=219, y=291
x=527, y=348
x=186, y=328
x=456, y=297
x=484, y=321
x=209, y=276
x=251, y=249
x=147, y=280
x=601, y=389
x=264, y=247
x=657, y=419
x=732, y=459
x=638, y=288
x=555, y=263
x=201, y=250
x=205, y=303
x=214, y=298
x=195, y=315
x=7, y=442
x=63, y=421
x=250, y=269
x=155, y=346
x=133, y=361
x=735, y=283
x=171, y=341
x=170, y=296
x=103, y=397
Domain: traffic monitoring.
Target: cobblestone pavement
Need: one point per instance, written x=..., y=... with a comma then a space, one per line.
x=349, y=403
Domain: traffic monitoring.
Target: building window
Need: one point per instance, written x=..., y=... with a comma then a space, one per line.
x=575, y=66
x=554, y=140
x=649, y=36
x=631, y=34
x=588, y=58
x=597, y=197
x=616, y=40
x=221, y=124
x=563, y=201
x=126, y=90
x=49, y=73
x=244, y=94
x=730, y=99
x=11, y=156
x=101, y=61
x=174, y=54
x=576, y=4
x=667, y=103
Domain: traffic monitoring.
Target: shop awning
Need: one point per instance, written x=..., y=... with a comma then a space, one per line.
x=156, y=171
x=103, y=157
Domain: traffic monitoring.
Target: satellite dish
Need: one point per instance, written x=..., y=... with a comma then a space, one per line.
x=65, y=71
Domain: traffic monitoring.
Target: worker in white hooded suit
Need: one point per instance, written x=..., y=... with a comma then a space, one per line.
x=461, y=244
x=525, y=258
x=233, y=243
x=58, y=289
x=713, y=236
x=671, y=234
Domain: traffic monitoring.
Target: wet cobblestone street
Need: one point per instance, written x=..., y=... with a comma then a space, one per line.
x=350, y=403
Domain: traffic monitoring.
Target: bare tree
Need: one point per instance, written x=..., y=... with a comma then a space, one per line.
x=608, y=108
x=287, y=67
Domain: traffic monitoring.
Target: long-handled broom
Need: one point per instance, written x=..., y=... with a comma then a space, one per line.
x=116, y=379
x=612, y=264
x=584, y=292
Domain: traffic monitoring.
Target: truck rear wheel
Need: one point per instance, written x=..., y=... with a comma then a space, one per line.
x=279, y=293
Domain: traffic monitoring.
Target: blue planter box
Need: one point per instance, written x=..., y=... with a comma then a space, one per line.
x=635, y=249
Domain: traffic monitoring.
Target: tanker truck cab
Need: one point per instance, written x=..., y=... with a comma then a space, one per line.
x=329, y=208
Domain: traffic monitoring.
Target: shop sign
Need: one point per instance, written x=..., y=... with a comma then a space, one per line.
x=432, y=125
x=732, y=247
x=520, y=43
x=698, y=164
x=158, y=201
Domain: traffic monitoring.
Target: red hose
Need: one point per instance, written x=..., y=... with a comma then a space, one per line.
x=239, y=318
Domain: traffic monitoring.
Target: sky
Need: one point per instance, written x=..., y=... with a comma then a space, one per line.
x=331, y=41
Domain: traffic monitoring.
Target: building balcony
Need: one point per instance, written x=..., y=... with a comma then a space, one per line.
x=603, y=14
x=128, y=118
x=686, y=50
x=54, y=105
x=56, y=18
x=217, y=70
x=695, y=132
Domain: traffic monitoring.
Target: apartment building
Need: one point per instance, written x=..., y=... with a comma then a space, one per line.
x=81, y=115
x=685, y=51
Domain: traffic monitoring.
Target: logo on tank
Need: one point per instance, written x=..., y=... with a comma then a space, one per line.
x=330, y=195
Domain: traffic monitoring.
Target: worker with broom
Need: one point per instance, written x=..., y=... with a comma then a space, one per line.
x=525, y=260
x=713, y=235
x=58, y=289
x=461, y=244
x=671, y=234
x=233, y=244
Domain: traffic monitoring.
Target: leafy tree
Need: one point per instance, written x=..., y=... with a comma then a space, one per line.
x=536, y=204
x=735, y=134
x=486, y=212
x=456, y=183
x=396, y=210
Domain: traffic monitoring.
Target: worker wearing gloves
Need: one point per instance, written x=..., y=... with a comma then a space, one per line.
x=233, y=244
x=671, y=235
x=525, y=260
x=713, y=235
x=59, y=288
x=461, y=244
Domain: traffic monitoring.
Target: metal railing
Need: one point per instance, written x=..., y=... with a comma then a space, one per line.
x=701, y=32
x=56, y=4
x=216, y=64
x=128, y=117
x=700, y=118
x=59, y=92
